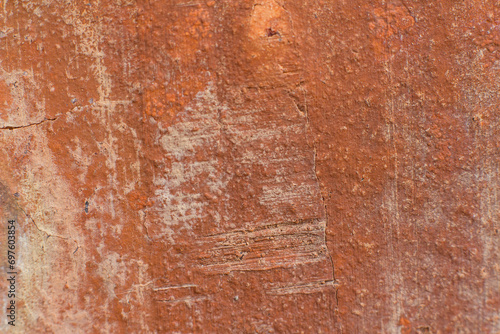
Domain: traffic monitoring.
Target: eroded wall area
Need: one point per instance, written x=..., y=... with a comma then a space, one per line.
x=272, y=166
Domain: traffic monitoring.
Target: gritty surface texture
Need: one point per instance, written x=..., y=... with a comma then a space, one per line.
x=252, y=167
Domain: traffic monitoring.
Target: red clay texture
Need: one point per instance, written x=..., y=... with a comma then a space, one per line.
x=279, y=166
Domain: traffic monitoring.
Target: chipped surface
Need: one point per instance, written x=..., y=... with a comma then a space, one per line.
x=252, y=167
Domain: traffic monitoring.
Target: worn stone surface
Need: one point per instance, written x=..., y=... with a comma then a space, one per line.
x=251, y=167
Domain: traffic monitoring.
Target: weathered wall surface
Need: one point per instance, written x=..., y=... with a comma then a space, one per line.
x=252, y=167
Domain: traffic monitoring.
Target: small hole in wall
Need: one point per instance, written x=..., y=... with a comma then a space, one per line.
x=270, y=32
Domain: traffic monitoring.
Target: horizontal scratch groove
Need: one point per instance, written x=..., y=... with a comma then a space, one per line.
x=264, y=248
x=302, y=288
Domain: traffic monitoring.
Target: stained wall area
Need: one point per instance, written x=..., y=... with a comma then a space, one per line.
x=277, y=166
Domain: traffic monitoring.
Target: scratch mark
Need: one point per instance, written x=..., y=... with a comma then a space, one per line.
x=174, y=294
x=134, y=288
x=38, y=228
x=182, y=300
x=189, y=4
x=13, y=127
x=164, y=288
x=302, y=288
x=265, y=248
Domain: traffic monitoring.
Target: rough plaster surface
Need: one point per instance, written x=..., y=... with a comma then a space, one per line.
x=277, y=166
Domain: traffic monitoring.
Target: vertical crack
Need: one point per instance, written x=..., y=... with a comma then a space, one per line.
x=315, y=170
x=309, y=132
